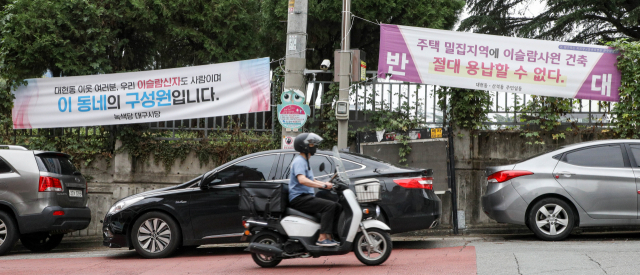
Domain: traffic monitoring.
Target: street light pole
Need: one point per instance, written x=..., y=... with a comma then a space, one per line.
x=345, y=71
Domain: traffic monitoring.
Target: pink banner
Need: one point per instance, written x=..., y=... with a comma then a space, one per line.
x=498, y=63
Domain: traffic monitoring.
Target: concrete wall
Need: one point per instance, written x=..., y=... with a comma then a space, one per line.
x=474, y=151
x=424, y=154
x=120, y=176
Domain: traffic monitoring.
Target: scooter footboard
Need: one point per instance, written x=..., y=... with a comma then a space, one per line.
x=375, y=224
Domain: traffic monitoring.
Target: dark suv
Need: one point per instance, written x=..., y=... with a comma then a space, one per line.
x=42, y=197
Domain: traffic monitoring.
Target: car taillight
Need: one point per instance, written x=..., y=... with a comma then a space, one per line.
x=416, y=183
x=49, y=184
x=503, y=176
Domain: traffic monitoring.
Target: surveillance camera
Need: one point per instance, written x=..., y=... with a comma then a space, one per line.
x=325, y=65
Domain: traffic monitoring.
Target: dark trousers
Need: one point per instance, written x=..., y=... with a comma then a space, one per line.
x=328, y=209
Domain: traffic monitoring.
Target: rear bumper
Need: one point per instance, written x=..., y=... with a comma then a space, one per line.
x=503, y=203
x=73, y=219
x=420, y=209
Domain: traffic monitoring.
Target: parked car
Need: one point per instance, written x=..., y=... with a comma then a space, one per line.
x=42, y=197
x=199, y=212
x=585, y=184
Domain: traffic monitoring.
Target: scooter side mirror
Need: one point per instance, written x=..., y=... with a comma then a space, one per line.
x=322, y=167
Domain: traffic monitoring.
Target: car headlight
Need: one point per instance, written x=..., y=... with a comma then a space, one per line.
x=121, y=205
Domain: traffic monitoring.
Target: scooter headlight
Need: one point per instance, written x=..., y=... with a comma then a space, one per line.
x=377, y=211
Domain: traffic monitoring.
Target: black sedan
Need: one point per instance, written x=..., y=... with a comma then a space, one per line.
x=157, y=222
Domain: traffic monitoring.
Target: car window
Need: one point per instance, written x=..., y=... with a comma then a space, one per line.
x=58, y=164
x=315, y=163
x=288, y=158
x=4, y=167
x=635, y=150
x=601, y=156
x=254, y=169
x=350, y=165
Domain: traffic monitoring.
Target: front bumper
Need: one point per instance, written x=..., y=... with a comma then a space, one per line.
x=503, y=203
x=72, y=219
x=114, y=230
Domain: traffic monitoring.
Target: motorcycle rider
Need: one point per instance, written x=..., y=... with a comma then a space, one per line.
x=301, y=184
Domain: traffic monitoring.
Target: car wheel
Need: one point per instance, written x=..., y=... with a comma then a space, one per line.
x=41, y=241
x=551, y=219
x=374, y=254
x=8, y=233
x=155, y=235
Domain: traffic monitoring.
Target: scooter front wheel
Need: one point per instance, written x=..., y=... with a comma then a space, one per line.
x=265, y=260
x=375, y=253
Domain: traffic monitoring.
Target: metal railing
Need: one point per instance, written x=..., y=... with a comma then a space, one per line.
x=506, y=108
x=420, y=100
x=258, y=121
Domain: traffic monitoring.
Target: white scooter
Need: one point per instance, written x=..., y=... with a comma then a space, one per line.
x=295, y=235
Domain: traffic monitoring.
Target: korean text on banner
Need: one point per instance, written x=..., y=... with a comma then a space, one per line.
x=149, y=96
x=498, y=63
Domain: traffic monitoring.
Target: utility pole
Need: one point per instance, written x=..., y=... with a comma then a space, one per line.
x=345, y=71
x=295, y=59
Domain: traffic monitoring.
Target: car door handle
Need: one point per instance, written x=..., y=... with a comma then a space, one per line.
x=222, y=186
x=566, y=174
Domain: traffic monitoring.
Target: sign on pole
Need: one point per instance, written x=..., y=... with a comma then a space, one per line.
x=148, y=96
x=498, y=63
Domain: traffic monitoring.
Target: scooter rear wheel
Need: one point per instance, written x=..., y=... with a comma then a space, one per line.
x=264, y=260
x=377, y=253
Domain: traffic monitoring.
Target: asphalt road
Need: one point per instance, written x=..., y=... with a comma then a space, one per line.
x=505, y=254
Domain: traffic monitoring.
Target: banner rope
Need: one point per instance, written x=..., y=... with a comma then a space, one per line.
x=376, y=23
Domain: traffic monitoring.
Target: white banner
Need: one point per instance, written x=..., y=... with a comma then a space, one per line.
x=149, y=96
x=498, y=63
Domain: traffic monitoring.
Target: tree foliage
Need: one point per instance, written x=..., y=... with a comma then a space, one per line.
x=325, y=17
x=77, y=37
x=584, y=21
x=466, y=108
x=626, y=113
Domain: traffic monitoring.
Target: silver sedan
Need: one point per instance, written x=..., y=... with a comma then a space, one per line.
x=584, y=184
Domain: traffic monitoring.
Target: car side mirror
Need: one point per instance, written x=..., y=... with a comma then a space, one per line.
x=210, y=184
x=322, y=167
x=206, y=179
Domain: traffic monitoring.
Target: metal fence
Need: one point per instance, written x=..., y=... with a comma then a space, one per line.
x=506, y=109
x=259, y=122
x=419, y=100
